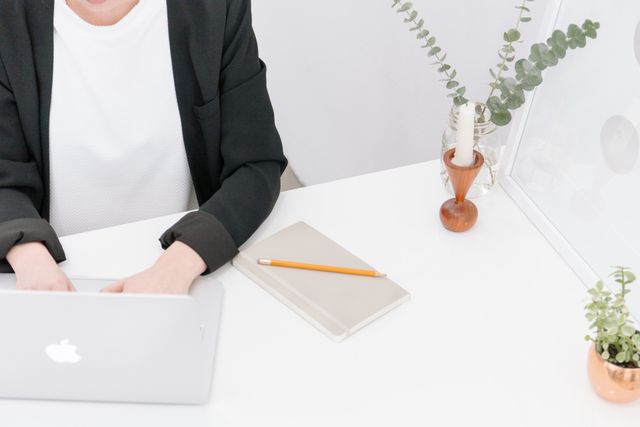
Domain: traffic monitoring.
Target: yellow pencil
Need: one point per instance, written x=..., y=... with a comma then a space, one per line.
x=318, y=267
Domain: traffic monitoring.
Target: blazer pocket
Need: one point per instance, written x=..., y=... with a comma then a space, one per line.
x=209, y=119
x=208, y=110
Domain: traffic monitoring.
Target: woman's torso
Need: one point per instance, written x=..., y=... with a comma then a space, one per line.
x=116, y=146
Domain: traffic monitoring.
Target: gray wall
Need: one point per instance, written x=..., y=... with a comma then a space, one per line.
x=353, y=91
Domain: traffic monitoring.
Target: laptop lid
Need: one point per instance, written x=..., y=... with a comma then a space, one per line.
x=108, y=347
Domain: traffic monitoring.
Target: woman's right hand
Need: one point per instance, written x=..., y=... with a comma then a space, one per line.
x=36, y=269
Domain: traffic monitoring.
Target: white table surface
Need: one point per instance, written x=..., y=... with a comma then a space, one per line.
x=493, y=334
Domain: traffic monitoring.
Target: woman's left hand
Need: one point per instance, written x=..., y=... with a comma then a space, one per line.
x=173, y=273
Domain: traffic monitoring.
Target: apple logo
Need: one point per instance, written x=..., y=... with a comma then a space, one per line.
x=64, y=352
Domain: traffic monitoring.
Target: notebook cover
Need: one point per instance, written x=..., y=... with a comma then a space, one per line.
x=337, y=304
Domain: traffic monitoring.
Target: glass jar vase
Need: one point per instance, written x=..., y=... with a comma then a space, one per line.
x=487, y=139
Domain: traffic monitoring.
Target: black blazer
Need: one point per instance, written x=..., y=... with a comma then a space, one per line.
x=233, y=148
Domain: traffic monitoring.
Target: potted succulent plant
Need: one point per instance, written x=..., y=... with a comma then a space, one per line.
x=614, y=356
x=511, y=79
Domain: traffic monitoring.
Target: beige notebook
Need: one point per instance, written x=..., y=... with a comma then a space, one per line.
x=337, y=304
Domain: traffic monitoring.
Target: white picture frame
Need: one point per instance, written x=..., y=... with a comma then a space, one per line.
x=553, y=218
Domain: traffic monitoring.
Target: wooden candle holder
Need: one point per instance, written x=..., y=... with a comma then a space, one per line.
x=459, y=214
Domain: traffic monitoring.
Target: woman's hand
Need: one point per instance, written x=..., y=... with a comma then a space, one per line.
x=36, y=269
x=173, y=273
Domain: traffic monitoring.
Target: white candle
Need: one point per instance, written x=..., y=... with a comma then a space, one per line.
x=464, y=155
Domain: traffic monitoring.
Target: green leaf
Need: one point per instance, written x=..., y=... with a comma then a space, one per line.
x=405, y=7
x=413, y=15
x=460, y=100
x=512, y=35
x=418, y=26
x=559, y=52
x=511, y=93
x=531, y=77
x=495, y=105
x=452, y=84
x=629, y=276
x=422, y=34
x=605, y=355
x=501, y=118
x=525, y=19
x=444, y=68
x=542, y=56
x=574, y=31
x=560, y=39
x=591, y=28
x=434, y=51
x=431, y=41
x=628, y=330
x=461, y=90
x=523, y=8
x=621, y=357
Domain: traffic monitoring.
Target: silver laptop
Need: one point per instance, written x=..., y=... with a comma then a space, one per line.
x=108, y=347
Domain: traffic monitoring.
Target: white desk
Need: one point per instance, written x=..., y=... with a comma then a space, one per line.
x=493, y=335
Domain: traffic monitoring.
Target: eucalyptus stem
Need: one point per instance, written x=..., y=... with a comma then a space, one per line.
x=502, y=66
x=528, y=71
x=437, y=55
x=435, y=51
x=507, y=93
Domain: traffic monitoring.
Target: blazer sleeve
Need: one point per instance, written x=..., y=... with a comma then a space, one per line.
x=21, y=188
x=251, y=152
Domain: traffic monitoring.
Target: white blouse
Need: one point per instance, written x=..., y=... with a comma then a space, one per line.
x=116, y=149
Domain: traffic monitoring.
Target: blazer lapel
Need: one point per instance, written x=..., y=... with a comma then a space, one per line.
x=42, y=42
x=195, y=37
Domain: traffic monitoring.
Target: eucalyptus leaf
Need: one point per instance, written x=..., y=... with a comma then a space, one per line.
x=428, y=41
x=512, y=35
x=434, y=51
x=501, y=118
x=418, y=26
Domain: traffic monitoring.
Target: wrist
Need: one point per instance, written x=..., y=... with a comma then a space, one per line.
x=180, y=258
x=26, y=256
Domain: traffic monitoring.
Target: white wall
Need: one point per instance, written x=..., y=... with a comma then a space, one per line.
x=352, y=89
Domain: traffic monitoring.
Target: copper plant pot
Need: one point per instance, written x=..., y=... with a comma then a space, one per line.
x=611, y=382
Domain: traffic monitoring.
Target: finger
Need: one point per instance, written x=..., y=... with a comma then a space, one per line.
x=116, y=287
x=71, y=288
